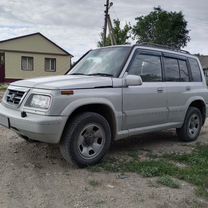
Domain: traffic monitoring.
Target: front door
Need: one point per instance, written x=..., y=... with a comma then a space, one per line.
x=2, y=68
x=145, y=105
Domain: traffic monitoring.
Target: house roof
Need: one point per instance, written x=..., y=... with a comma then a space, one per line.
x=33, y=34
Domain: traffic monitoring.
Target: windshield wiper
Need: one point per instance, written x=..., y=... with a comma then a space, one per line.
x=101, y=74
x=78, y=74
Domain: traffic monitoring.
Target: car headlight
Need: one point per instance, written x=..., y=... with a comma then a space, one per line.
x=39, y=101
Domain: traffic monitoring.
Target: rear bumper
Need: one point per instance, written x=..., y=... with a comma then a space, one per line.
x=37, y=127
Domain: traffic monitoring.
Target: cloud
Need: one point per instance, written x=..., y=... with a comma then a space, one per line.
x=76, y=24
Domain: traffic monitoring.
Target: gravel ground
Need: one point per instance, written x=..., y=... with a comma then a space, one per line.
x=35, y=175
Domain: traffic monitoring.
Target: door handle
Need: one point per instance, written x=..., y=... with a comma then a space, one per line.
x=160, y=89
x=188, y=88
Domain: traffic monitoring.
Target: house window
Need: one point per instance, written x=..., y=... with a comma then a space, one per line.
x=27, y=63
x=50, y=64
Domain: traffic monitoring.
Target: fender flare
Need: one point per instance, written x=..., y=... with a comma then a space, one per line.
x=73, y=106
x=87, y=101
x=193, y=99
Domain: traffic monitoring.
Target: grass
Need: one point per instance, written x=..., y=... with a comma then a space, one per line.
x=194, y=168
x=94, y=183
x=3, y=87
x=168, y=181
x=149, y=168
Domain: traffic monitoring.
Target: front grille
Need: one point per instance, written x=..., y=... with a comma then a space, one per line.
x=14, y=96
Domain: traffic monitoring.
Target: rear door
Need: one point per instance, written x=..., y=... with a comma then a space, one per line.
x=178, y=83
x=145, y=105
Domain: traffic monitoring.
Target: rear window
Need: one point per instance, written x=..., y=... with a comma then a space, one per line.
x=172, y=73
x=183, y=71
x=195, y=70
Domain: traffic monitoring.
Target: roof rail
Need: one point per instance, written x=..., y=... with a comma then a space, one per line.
x=154, y=45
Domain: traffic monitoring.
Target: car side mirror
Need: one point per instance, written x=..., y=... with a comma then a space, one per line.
x=133, y=80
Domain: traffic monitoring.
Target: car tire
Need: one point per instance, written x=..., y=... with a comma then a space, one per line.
x=86, y=139
x=192, y=125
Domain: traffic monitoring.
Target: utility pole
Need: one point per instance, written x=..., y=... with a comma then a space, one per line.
x=106, y=21
x=112, y=36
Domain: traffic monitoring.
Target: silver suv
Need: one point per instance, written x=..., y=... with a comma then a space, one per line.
x=110, y=94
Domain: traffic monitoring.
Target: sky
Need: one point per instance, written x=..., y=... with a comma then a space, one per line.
x=75, y=25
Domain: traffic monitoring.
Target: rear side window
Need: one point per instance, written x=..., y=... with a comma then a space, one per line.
x=195, y=70
x=172, y=73
x=183, y=71
x=147, y=66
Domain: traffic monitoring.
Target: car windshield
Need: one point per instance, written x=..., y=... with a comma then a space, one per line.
x=102, y=62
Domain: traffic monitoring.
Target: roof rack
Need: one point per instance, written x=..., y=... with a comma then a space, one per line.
x=162, y=47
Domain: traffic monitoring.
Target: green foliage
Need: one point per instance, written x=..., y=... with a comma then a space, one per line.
x=94, y=183
x=107, y=41
x=168, y=181
x=3, y=87
x=121, y=34
x=162, y=27
x=149, y=168
x=194, y=169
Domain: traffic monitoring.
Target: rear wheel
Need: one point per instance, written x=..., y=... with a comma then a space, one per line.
x=192, y=125
x=86, y=139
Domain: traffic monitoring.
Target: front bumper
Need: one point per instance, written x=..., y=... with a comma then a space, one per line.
x=37, y=127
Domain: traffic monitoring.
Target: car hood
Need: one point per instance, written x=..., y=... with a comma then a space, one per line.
x=65, y=82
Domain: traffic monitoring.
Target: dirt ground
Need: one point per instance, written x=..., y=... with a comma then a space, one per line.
x=35, y=175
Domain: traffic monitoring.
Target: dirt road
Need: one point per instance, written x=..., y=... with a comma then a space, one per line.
x=35, y=175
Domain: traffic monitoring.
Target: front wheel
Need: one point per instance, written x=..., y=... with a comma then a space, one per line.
x=192, y=125
x=86, y=139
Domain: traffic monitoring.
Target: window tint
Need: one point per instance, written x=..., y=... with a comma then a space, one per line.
x=183, y=71
x=147, y=66
x=171, y=70
x=195, y=70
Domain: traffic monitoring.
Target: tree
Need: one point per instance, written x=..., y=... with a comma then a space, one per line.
x=162, y=27
x=121, y=34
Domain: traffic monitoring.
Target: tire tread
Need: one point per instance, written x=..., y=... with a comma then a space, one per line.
x=66, y=147
x=182, y=132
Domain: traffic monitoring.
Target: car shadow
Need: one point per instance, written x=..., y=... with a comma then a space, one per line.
x=47, y=156
x=146, y=141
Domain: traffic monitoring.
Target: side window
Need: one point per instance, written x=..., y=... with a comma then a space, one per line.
x=195, y=70
x=172, y=73
x=183, y=71
x=147, y=66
